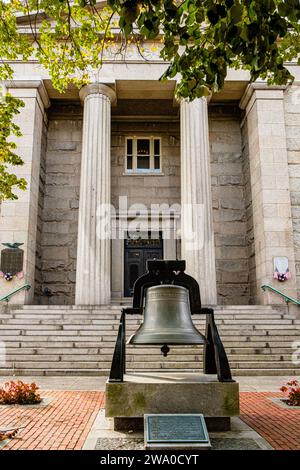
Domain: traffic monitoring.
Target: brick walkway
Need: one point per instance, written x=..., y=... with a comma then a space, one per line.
x=63, y=424
x=279, y=426
x=66, y=421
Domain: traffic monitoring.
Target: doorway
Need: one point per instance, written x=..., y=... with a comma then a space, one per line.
x=138, y=250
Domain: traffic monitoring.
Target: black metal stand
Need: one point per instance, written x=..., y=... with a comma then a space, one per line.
x=172, y=272
x=215, y=359
x=118, y=365
x=214, y=356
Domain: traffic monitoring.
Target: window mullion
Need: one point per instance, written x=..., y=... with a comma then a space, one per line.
x=134, y=156
x=151, y=157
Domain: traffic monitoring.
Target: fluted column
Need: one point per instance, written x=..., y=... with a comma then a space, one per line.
x=93, y=285
x=197, y=238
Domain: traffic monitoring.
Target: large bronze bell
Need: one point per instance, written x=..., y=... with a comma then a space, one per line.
x=167, y=318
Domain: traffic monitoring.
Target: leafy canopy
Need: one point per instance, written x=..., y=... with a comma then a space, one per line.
x=200, y=40
x=9, y=107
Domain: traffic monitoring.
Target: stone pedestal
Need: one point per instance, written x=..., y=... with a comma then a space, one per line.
x=128, y=401
x=197, y=237
x=93, y=285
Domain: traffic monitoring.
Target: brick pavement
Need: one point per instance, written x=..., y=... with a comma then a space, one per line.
x=66, y=421
x=61, y=425
x=279, y=426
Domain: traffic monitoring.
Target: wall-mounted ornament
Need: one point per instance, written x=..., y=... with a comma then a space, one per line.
x=281, y=268
x=11, y=263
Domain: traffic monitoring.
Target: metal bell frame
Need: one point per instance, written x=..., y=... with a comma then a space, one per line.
x=160, y=272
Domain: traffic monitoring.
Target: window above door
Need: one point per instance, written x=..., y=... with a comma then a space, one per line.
x=143, y=155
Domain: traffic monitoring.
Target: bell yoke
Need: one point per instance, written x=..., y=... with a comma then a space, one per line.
x=167, y=297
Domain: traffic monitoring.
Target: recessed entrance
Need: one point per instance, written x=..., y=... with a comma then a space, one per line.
x=139, y=249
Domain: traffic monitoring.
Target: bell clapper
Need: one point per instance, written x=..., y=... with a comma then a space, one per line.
x=165, y=349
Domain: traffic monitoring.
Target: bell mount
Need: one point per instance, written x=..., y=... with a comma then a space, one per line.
x=161, y=272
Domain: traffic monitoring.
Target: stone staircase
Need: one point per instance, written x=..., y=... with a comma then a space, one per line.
x=69, y=340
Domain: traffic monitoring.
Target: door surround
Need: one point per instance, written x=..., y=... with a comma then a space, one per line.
x=171, y=250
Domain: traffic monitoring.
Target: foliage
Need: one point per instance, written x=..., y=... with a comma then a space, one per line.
x=202, y=38
x=292, y=391
x=19, y=393
x=9, y=107
x=199, y=39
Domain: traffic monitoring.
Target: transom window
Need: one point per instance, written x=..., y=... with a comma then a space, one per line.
x=143, y=155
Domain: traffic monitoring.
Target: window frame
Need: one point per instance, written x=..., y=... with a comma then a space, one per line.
x=143, y=171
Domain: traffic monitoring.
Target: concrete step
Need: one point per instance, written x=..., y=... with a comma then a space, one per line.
x=68, y=340
x=143, y=351
x=53, y=372
x=110, y=330
x=105, y=372
x=89, y=321
x=266, y=372
x=109, y=323
x=86, y=342
x=115, y=316
x=59, y=365
x=136, y=365
x=98, y=357
x=111, y=307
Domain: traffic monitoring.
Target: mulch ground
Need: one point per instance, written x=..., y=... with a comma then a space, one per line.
x=66, y=421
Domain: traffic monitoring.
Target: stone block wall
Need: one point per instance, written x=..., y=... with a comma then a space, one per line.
x=18, y=218
x=229, y=206
x=59, y=187
x=292, y=124
x=249, y=213
x=146, y=189
x=38, y=283
x=58, y=245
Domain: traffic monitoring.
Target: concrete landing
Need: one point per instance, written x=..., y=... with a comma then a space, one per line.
x=246, y=384
x=103, y=437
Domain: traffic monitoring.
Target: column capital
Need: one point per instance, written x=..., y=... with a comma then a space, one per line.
x=205, y=99
x=261, y=90
x=98, y=89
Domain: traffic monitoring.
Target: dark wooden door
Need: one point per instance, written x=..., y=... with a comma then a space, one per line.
x=135, y=262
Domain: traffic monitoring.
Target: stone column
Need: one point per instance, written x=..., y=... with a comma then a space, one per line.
x=197, y=237
x=93, y=284
x=270, y=188
x=18, y=219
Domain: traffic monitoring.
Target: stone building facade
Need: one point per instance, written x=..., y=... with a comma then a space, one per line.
x=237, y=156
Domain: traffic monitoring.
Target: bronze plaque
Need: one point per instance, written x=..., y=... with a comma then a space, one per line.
x=12, y=260
x=174, y=429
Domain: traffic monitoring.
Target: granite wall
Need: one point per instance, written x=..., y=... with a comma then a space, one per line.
x=60, y=209
x=147, y=189
x=248, y=214
x=292, y=124
x=60, y=179
x=38, y=283
x=229, y=206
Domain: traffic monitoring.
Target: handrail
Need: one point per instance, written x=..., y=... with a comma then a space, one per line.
x=8, y=296
x=287, y=298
